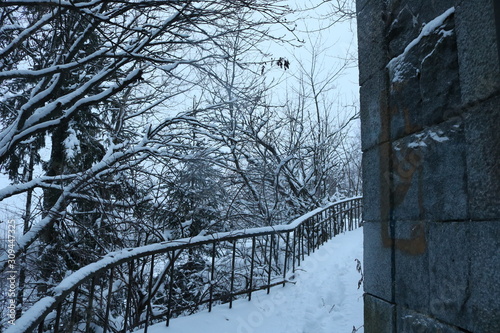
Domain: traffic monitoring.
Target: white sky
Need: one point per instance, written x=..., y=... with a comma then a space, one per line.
x=333, y=42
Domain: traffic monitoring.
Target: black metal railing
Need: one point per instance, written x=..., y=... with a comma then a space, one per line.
x=134, y=288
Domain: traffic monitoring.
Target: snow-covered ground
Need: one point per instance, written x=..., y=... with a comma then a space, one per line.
x=323, y=298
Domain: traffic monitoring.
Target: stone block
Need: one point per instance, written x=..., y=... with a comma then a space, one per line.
x=377, y=261
x=483, y=304
x=429, y=174
x=379, y=315
x=371, y=44
x=400, y=33
x=449, y=268
x=483, y=159
x=360, y=4
x=407, y=19
x=444, y=174
x=478, y=50
x=376, y=183
x=411, y=276
x=374, y=111
x=464, y=258
x=424, y=89
x=409, y=321
x=439, y=80
x=406, y=180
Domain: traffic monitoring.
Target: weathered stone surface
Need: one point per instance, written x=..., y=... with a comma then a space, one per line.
x=427, y=167
x=478, y=50
x=424, y=87
x=377, y=262
x=445, y=174
x=411, y=276
x=379, y=315
x=407, y=18
x=463, y=258
x=374, y=111
x=431, y=165
x=376, y=188
x=449, y=268
x=409, y=321
x=439, y=81
x=371, y=48
x=482, y=130
x=483, y=305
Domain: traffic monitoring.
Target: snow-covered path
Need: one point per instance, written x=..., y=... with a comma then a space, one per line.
x=324, y=299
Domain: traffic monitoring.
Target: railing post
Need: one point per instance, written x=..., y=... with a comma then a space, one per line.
x=323, y=229
x=73, y=311
x=348, y=210
x=329, y=222
x=319, y=233
x=233, y=262
x=300, y=245
x=350, y=216
x=271, y=241
x=346, y=216
x=335, y=220
x=293, y=249
x=339, y=219
x=129, y=296
x=344, y=225
x=286, y=257
x=212, y=275
x=251, y=269
x=360, y=211
x=302, y=251
x=308, y=237
x=314, y=237
x=356, y=210
x=356, y=213
x=277, y=249
x=149, y=297
x=171, y=286
x=58, y=317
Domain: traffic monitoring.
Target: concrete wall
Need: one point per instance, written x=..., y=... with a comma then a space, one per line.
x=430, y=114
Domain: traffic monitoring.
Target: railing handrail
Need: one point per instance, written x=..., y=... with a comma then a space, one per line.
x=36, y=314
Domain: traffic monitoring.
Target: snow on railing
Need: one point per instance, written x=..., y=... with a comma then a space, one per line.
x=134, y=288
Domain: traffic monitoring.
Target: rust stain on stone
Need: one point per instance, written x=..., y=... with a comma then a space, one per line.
x=415, y=245
x=409, y=127
x=397, y=172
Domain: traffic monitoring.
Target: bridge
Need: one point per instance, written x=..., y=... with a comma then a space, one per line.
x=134, y=288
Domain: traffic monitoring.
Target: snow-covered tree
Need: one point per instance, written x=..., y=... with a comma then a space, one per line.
x=130, y=122
x=100, y=85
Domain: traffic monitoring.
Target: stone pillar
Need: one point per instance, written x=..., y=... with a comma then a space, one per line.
x=430, y=117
